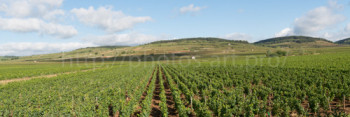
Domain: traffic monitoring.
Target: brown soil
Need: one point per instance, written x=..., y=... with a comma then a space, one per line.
x=335, y=104
x=155, y=112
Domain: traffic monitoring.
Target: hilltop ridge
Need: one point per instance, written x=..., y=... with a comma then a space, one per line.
x=186, y=47
x=343, y=41
x=198, y=39
x=296, y=42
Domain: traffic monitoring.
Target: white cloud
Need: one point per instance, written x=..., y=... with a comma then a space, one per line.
x=31, y=8
x=238, y=36
x=18, y=9
x=342, y=34
x=47, y=2
x=3, y=7
x=122, y=39
x=347, y=28
x=190, y=9
x=285, y=32
x=29, y=48
x=334, y=5
x=53, y=15
x=34, y=16
x=327, y=35
x=37, y=25
x=316, y=20
x=107, y=19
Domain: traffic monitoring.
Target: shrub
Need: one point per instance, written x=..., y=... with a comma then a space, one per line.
x=281, y=53
x=277, y=53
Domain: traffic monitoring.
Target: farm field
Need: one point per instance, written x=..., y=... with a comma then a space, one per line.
x=90, y=93
x=174, y=58
x=310, y=85
x=20, y=70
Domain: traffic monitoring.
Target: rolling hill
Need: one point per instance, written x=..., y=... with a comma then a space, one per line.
x=202, y=47
x=344, y=41
x=6, y=58
x=200, y=39
x=182, y=48
x=296, y=42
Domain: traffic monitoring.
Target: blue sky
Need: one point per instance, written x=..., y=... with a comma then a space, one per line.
x=30, y=27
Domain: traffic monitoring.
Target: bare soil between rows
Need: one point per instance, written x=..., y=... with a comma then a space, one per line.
x=155, y=112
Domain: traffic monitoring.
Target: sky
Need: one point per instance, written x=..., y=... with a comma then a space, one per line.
x=30, y=27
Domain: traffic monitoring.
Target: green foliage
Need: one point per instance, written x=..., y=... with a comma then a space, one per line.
x=298, y=84
x=91, y=93
x=277, y=53
x=163, y=100
x=182, y=110
x=268, y=53
x=7, y=58
x=11, y=71
x=281, y=53
x=146, y=108
x=226, y=90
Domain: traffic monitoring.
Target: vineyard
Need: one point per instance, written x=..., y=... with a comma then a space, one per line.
x=263, y=91
x=12, y=71
x=223, y=89
x=174, y=58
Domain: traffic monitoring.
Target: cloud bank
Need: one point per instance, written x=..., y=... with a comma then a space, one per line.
x=31, y=48
x=35, y=16
x=107, y=19
x=190, y=9
x=122, y=39
x=238, y=36
x=37, y=25
x=317, y=22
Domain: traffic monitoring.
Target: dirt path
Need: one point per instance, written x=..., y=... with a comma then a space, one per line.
x=172, y=111
x=3, y=82
x=155, y=112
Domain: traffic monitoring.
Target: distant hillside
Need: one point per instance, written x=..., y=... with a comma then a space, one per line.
x=202, y=47
x=199, y=39
x=90, y=49
x=181, y=48
x=6, y=58
x=90, y=52
x=344, y=41
x=107, y=47
x=295, y=42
